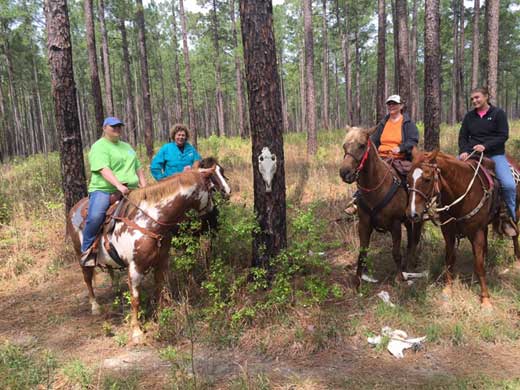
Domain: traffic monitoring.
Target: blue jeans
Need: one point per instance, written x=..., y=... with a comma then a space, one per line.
x=507, y=182
x=98, y=202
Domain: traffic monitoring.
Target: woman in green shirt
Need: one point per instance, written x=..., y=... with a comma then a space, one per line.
x=115, y=167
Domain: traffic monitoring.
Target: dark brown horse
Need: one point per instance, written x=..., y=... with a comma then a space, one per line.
x=465, y=200
x=383, y=198
x=143, y=231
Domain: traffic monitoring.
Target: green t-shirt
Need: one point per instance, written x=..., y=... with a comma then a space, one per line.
x=119, y=157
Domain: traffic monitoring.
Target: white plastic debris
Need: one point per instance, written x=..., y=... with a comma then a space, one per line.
x=399, y=341
x=368, y=278
x=414, y=275
x=386, y=298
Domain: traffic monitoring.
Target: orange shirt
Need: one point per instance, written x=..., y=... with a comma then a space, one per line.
x=391, y=137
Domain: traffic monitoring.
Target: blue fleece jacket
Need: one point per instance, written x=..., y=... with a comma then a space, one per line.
x=170, y=160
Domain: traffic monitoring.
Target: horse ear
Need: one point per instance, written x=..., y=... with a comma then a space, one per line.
x=415, y=152
x=433, y=155
x=371, y=130
x=347, y=128
x=207, y=172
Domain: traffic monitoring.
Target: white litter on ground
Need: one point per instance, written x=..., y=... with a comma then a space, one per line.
x=386, y=298
x=368, y=279
x=399, y=341
x=414, y=275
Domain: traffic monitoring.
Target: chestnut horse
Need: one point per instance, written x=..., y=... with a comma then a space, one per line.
x=465, y=199
x=383, y=198
x=143, y=230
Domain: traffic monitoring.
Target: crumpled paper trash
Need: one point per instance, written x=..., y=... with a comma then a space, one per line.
x=368, y=278
x=385, y=297
x=399, y=341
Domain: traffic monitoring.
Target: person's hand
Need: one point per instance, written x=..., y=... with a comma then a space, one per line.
x=187, y=168
x=463, y=156
x=479, y=148
x=396, y=150
x=123, y=189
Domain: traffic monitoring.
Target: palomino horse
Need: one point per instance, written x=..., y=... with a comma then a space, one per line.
x=143, y=230
x=465, y=200
x=383, y=200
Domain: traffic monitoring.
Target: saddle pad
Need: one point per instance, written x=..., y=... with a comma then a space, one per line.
x=515, y=173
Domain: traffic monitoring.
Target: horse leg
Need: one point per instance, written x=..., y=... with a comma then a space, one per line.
x=413, y=231
x=478, y=244
x=134, y=281
x=396, y=250
x=114, y=279
x=449, y=240
x=364, y=232
x=88, y=274
x=161, y=278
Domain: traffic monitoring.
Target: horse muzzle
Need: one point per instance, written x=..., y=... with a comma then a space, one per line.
x=347, y=175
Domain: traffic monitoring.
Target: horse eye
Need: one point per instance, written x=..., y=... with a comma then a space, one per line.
x=361, y=146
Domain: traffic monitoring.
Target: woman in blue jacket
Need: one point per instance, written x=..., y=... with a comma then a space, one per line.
x=176, y=156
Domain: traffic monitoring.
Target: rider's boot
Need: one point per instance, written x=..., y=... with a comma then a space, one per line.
x=88, y=258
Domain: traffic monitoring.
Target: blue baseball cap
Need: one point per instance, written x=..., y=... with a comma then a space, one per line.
x=112, y=121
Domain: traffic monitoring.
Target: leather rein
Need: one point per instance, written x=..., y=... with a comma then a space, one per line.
x=433, y=202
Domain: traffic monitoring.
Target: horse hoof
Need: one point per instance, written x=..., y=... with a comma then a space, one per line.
x=446, y=294
x=486, y=305
x=96, y=309
x=137, y=336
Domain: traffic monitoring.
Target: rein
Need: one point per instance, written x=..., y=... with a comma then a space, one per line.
x=432, y=198
x=362, y=165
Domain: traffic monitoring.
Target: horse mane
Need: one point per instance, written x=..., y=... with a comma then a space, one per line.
x=207, y=162
x=156, y=192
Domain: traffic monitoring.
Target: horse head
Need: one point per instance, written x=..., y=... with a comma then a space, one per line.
x=213, y=173
x=423, y=183
x=356, y=147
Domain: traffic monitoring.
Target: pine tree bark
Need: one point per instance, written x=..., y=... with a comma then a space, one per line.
x=475, y=46
x=325, y=76
x=396, y=47
x=238, y=75
x=130, y=122
x=381, y=61
x=461, y=106
x=93, y=66
x=218, y=74
x=347, y=68
x=109, y=100
x=187, y=75
x=303, y=92
x=403, y=52
x=179, y=111
x=266, y=127
x=65, y=105
x=492, y=17
x=432, y=75
x=414, y=88
x=454, y=69
x=357, y=77
x=145, y=81
x=312, y=139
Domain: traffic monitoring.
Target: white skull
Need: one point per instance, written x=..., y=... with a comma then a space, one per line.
x=267, y=167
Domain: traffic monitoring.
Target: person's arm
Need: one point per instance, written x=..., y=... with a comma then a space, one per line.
x=411, y=140
x=376, y=137
x=501, y=133
x=464, y=137
x=157, y=165
x=142, y=178
x=109, y=176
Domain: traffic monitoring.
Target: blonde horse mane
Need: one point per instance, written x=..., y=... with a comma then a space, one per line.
x=155, y=192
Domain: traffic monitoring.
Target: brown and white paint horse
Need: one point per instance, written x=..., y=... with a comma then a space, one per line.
x=441, y=184
x=376, y=180
x=143, y=237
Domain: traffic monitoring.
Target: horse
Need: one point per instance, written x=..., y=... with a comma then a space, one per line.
x=383, y=199
x=464, y=198
x=143, y=230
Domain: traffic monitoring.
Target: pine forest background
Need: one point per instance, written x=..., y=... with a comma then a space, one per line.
x=345, y=37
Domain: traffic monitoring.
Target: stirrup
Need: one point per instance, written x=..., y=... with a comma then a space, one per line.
x=88, y=258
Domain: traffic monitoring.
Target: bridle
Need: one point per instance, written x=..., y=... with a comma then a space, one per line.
x=361, y=164
x=433, y=197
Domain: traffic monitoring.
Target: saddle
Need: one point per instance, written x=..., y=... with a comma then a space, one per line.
x=401, y=166
x=115, y=209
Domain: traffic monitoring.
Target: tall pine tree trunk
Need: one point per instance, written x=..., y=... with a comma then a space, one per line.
x=131, y=125
x=266, y=127
x=65, y=105
x=145, y=81
x=312, y=140
x=492, y=16
x=432, y=75
x=218, y=76
x=414, y=88
x=381, y=61
x=347, y=68
x=325, y=73
x=176, y=73
x=187, y=75
x=461, y=106
x=475, y=46
x=93, y=66
x=109, y=100
x=238, y=75
x=401, y=11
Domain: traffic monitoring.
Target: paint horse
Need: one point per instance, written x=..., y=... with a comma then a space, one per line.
x=382, y=201
x=143, y=230
x=464, y=198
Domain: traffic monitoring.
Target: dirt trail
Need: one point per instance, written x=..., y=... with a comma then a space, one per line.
x=55, y=315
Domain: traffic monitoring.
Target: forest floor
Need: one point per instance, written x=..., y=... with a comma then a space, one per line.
x=49, y=338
